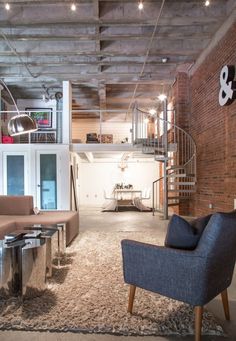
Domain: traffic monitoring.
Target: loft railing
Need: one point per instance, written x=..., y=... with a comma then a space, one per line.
x=103, y=126
x=109, y=126
x=49, y=127
x=176, y=144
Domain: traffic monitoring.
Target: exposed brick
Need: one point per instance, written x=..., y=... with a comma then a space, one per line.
x=213, y=128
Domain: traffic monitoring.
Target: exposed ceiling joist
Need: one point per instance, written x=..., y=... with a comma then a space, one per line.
x=101, y=47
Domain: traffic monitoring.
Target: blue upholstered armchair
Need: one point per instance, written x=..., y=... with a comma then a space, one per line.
x=192, y=276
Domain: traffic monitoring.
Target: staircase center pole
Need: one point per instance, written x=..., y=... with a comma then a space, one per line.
x=165, y=180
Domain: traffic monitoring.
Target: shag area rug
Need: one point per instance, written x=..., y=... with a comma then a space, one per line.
x=87, y=294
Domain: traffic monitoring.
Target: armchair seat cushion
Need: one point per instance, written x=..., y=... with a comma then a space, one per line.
x=182, y=234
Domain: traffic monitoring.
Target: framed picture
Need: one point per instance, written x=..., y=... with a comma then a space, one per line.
x=43, y=116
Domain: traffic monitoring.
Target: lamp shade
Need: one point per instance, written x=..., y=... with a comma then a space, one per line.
x=21, y=124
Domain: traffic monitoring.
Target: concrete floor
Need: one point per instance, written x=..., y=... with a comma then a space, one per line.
x=94, y=220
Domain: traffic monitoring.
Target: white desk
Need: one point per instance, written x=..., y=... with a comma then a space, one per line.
x=124, y=193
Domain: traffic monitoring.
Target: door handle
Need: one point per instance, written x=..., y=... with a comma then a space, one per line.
x=39, y=185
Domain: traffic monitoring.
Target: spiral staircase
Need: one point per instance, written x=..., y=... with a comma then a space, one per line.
x=175, y=149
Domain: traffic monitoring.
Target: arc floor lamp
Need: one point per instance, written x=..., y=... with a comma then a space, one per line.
x=21, y=123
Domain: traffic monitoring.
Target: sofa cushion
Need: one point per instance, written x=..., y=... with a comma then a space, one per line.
x=71, y=218
x=16, y=205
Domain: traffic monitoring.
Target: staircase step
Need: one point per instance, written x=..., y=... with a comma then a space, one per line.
x=174, y=167
x=178, y=198
x=173, y=204
x=162, y=158
x=190, y=183
x=173, y=175
x=181, y=190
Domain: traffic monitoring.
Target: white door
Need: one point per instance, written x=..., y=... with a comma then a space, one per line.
x=48, y=165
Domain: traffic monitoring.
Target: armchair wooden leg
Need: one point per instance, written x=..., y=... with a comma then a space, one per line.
x=198, y=322
x=131, y=298
x=225, y=301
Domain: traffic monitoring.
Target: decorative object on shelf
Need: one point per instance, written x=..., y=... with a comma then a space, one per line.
x=106, y=138
x=43, y=116
x=20, y=123
x=92, y=138
x=7, y=139
x=125, y=140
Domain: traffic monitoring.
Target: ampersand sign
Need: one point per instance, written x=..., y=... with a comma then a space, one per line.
x=227, y=92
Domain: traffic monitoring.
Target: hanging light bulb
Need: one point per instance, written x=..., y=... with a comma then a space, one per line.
x=207, y=3
x=73, y=7
x=162, y=97
x=140, y=5
x=7, y=6
x=146, y=120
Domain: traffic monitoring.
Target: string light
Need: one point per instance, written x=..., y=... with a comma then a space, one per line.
x=207, y=3
x=7, y=6
x=140, y=5
x=73, y=7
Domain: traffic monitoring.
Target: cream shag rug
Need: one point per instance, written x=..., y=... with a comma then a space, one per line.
x=87, y=294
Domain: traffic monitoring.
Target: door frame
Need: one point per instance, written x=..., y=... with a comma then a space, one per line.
x=58, y=174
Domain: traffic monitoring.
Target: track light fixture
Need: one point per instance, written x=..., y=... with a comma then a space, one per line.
x=46, y=96
x=164, y=60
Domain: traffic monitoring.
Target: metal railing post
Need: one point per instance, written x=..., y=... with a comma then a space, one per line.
x=165, y=181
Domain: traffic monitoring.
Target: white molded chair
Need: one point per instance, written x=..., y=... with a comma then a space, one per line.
x=111, y=202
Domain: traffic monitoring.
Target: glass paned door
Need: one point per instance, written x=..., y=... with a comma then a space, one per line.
x=48, y=181
x=15, y=173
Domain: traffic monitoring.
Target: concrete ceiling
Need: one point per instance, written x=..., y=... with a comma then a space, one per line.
x=101, y=47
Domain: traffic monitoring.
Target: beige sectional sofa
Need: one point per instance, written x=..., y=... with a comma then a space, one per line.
x=17, y=212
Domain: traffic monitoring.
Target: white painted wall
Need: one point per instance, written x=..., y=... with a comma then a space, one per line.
x=98, y=176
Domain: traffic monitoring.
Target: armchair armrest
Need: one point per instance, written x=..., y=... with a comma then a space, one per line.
x=170, y=272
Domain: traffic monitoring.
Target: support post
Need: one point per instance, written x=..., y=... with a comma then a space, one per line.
x=165, y=146
x=67, y=115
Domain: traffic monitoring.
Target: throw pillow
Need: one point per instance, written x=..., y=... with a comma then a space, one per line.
x=180, y=234
x=199, y=224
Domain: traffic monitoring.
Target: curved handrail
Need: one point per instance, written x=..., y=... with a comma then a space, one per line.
x=185, y=144
x=169, y=143
x=168, y=122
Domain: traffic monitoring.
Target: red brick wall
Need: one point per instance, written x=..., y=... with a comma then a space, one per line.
x=214, y=129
